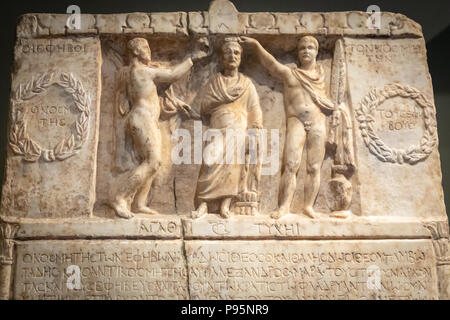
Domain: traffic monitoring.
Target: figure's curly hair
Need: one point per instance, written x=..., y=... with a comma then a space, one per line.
x=308, y=38
x=135, y=43
x=231, y=40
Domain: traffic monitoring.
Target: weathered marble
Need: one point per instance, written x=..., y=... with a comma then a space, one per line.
x=121, y=162
x=112, y=269
x=53, y=129
x=142, y=227
x=354, y=269
x=294, y=227
x=397, y=134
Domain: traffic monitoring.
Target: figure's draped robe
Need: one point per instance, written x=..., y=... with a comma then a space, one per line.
x=315, y=87
x=340, y=133
x=230, y=104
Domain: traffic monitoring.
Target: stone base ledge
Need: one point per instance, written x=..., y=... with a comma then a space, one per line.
x=198, y=269
x=212, y=226
x=294, y=226
x=141, y=227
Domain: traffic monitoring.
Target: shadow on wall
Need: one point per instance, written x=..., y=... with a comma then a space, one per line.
x=438, y=63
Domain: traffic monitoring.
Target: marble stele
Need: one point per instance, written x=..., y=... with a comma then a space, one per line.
x=222, y=155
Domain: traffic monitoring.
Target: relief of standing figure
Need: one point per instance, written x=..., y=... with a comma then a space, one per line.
x=137, y=103
x=307, y=107
x=230, y=102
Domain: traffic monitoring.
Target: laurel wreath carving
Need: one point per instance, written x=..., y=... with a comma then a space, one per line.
x=19, y=140
x=376, y=146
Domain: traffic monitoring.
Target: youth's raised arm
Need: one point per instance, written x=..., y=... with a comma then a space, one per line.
x=275, y=68
x=171, y=75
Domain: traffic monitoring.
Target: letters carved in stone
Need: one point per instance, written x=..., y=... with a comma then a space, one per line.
x=381, y=150
x=220, y=154
x=19, y=139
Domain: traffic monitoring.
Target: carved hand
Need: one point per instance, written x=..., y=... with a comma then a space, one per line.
x=253, y=43
x=336, y=118
x=189, y=112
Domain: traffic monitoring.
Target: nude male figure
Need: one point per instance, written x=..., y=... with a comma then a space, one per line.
x=137, y=80
x=306, y=122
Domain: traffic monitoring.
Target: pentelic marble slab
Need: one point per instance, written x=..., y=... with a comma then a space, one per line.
x=384, y=269
x=131, y=270
x=219, y=154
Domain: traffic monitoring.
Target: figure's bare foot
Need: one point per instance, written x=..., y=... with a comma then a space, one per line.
x=225, y=208
x=225, y=213
x=144, y=209
x=121, y=210
x=282, y=211
x=309, y=211
x=201, y=211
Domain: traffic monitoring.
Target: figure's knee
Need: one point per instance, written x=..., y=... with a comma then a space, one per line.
x=313, y=169
x=154, y=165
x=291, y=166
x=158, y=164
x=133, y=127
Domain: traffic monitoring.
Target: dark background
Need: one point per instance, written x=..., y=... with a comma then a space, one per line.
x=432, y=15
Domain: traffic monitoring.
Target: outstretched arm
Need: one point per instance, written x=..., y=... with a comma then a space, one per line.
x=171, y=75
x=267, y=60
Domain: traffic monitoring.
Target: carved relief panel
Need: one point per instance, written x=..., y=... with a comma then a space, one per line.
x=139, y=142
x=53, y=127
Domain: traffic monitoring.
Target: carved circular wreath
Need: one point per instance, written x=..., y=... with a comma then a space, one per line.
x=376, y=146
x=19, y=140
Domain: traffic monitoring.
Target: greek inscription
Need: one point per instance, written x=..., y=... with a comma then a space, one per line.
x=50, y=116
x=399, y=117
x=164, y=227
x=300, y=272
x=143, y=271
x=278, y=229
x=382, y=52
x=51, y=48
x=220, y=228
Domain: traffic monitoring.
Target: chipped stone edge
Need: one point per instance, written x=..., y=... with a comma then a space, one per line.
x=21, y=247
x=212, y=227
x=439, y=233
x=165, y=227
x=347, y=23
x=8, y=232
x=183, y=24
x=297, y=228
x=25, y=230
